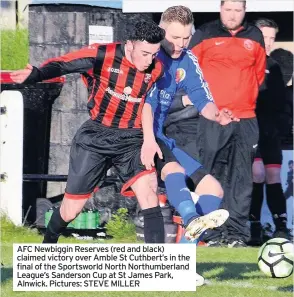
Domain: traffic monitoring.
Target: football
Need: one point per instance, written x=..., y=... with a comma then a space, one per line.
x=275, y=258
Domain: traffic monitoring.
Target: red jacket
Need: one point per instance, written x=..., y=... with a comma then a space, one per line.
x=233, y=65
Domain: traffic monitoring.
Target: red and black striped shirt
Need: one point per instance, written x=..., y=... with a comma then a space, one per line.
x=116, y=88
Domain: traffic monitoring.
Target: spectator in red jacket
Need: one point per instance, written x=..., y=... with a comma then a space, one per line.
x=232, y=56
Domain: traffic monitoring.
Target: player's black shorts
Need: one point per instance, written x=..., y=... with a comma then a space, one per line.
x=269, y=149
x=194, y=170
x=95, y=149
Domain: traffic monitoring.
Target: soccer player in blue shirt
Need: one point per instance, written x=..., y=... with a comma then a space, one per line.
x=182, y=71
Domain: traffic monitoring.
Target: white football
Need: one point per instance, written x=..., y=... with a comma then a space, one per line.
x=275, y=258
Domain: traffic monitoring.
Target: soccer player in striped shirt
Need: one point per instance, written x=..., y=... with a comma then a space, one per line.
x=118, y=76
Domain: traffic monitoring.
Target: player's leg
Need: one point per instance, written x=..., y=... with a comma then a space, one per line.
x=215, y=144
x=243, y=151
x=206, y=198
x=274, y=192
x=188, y=140
x=175, y=178
x=141, y=183
x=145, y=189
x=207, y=189
x=258, y=171
x=86, y=168
x=210, y=194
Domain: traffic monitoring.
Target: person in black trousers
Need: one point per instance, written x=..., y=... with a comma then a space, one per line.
x=268, y=159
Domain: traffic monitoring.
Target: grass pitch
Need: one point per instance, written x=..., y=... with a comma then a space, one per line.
x=228, y=272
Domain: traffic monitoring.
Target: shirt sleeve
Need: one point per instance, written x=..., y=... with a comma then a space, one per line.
x=194, y=84
x=260, y=61
x=152, y=97
x=80, y=61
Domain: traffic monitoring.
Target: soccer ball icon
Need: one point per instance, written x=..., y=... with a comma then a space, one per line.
x=275, y=258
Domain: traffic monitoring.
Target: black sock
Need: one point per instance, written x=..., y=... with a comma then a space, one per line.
x=153, y=225
x=256, y=201
x=55, y=227
x=277, y=203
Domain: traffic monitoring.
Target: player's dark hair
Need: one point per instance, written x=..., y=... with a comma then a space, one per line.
x=147, y=31
x=290, y=162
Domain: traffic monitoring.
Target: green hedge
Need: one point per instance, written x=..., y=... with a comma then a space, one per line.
x=14, y=49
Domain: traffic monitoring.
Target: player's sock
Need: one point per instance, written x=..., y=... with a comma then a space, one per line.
x=256, y=202
x=277, y=203
x=153, y=225
x=179, y=197
x=55, y=227
x=207, y=204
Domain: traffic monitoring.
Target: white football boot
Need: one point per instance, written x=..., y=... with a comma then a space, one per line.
x=210, y=221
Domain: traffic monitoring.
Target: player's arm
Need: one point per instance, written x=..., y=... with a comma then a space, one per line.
x=79, y=61
x=277, y=91
x=260, y=60
x=150, y=146
x=199, y=94
x=150, y=105
x=147, y=122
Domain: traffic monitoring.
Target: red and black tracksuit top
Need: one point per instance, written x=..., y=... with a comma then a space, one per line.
x=116, y=88
x=232, y=64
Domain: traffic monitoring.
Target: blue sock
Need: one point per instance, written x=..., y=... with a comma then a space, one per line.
x=179, y=196
x=207, y=204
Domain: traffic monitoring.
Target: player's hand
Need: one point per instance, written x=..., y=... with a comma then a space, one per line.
x=19, y=76
x=225, y=116
x=148, y=151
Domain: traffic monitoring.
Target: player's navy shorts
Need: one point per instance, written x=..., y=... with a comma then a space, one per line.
x=193, y=169
x=95, y=149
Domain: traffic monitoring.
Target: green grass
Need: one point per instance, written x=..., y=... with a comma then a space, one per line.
x=119, y=225
x=14, y=49
x=229, y=272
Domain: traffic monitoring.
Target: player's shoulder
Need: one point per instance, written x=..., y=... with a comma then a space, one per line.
x=254, y=33
x=158, y=64
x=107, y=49
x=155, y=70
x=93, y=46
x=163, y=57
x=188, y=57
x=253, y=29
x=212, y=26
